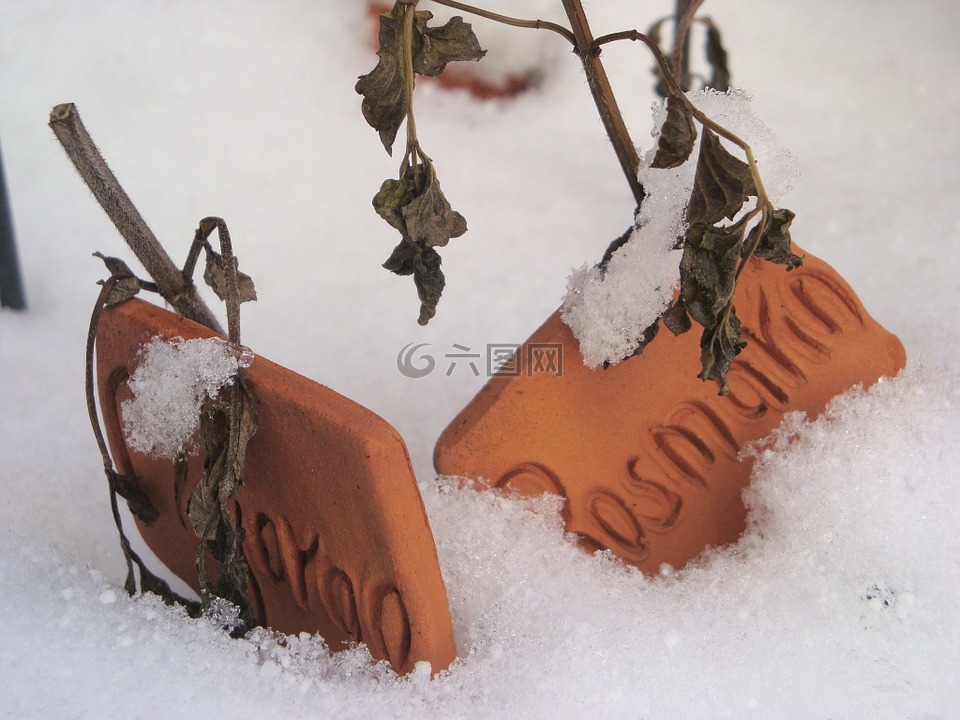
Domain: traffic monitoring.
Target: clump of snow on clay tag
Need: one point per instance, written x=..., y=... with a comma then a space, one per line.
x=608, y=311
x=169, y=386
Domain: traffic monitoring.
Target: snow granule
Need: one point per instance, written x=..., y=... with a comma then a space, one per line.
x=608, y=311
x=169, y=386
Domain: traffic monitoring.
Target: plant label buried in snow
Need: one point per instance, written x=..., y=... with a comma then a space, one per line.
x=280, y=502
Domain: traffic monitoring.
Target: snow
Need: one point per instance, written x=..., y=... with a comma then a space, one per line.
x=843, y=598
x=172, y=380
x=608, y=310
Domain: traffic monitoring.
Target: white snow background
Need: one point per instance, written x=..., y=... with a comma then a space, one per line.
x=843, y=598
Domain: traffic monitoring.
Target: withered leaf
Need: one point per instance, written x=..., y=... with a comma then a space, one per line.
x=429, y=280
x=215, y=276
x=708, y=270
x=424, y=264
x=384, y=90
x=430, y=220
x=719, y=345
x=401, y=259
x=774, y=244
x=447, y=43
x=208, y=507
x=717, y=57
x=221, y=475
x=137, y=499
x=384, y=103
x=393, y=197
x=418, y=208
x=721, y=185
x=677, y=136
x=127, y=284
x=676, y=318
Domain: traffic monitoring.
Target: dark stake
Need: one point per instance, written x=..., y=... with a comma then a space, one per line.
x=11, y=283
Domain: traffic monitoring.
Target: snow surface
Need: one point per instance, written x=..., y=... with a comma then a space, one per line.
x=842, y=600
x=608, y=310
x=172, y=380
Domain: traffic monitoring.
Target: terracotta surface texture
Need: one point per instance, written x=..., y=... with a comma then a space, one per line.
x=644, y=453
x=337, y=538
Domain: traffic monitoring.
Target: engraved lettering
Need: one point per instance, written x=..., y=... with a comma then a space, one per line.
x=531, y=479
x=655, y=503
x=679, y=451
x=827, y=303
x=395, y=629
x=760, y=338
x=340, y=602
x=620, y=527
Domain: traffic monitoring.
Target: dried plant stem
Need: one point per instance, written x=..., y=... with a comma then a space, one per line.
x=409, y=15
x=148, y=581
x=232, y=300
x=603, y=96
x=676, y=91
x=505, y=20
x=175, y=288
x=582, y=40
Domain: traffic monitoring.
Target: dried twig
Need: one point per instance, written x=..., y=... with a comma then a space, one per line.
x=604, y=98
x=176, y=289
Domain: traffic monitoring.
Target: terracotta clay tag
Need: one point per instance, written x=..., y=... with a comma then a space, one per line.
x=644, y=453
x=337, y=538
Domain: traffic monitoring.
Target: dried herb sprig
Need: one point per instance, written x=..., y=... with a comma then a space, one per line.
x=226, y=426
x=121, y=285
x=715, y=254
x=414, y=203
x=226, y=429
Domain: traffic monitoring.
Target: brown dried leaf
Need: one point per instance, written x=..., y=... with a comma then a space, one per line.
x=127, y=284
x=719, y=345
x=429, y=218
x=215, y=276
x=774, y=244
x=384, y=103
x=721, y=185
x=708, y=270
x=676, y=318
x=677, y=136
x=417, y=207
x=208, y=507
x=438, y=46
x=430, y=281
